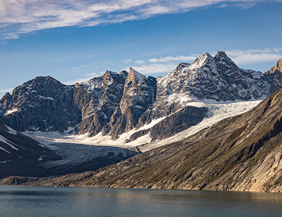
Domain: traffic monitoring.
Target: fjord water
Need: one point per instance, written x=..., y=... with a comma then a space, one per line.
x=19, y=201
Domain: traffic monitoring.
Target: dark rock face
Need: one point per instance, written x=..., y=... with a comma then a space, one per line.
x=119, y=102
x=177, y=122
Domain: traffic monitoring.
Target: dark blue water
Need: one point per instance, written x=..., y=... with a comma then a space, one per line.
x=48, y=201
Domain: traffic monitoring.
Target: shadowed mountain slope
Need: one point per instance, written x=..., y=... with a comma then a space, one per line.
x=21, y=155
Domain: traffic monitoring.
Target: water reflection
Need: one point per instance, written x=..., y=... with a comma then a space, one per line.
x=48, y=201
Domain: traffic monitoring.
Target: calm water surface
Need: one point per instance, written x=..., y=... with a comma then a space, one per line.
x=48, y=201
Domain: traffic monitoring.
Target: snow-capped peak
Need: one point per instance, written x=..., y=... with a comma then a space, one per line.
x=201, y=61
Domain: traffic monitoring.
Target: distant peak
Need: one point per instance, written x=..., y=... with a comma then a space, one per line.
x=123, y=73
x=207, y=54
x=221, y=54
x=137, y=75
x=45, y=79
x=200, y=61
x=110, y=72
x=222, y=58
x=277, y=67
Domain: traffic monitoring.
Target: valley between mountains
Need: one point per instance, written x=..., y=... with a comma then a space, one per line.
x=207, y=125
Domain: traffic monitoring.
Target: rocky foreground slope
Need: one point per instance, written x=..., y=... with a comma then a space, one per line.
x=242, y=153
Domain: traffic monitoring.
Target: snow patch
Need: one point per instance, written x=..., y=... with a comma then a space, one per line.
x=151, y=124
x=6, y=141
x=4, y=150
x=11, y=131
x=10, y=111
x=45, y=98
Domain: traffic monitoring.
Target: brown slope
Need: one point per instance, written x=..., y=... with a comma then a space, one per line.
x=242, y=153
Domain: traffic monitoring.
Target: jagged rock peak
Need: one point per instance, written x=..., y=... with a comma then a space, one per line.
x=134, y=75
x=202, y=59
x=205, y=59
x=110, y=73
x=221, y=54
x=276, y=68
x=182, y=66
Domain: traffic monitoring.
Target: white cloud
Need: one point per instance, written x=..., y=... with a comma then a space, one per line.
x=160, y=65
x=24, y=16
x=170, y=58
x=155, y=68
x=140, y=61
x=127, y=61
x=91, y=75
x=245, y=57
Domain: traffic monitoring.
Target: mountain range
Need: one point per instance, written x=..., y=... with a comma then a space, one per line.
x=240, y=153
x=130, y=107
x=119, y=102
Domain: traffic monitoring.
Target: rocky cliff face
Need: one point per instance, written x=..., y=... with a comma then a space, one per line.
x=138, y=97
x=119, y=102
x=241, y=153
x=274, y=76
x=105, y=94
x=42, y=104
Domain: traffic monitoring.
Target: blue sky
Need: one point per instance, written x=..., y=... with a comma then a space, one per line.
x=74, y=41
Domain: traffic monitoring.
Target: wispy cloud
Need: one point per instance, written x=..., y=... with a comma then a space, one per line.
x=127, y=61
x=6, y=90
x=160, y=65
x=91, y=64
x=23, y=16
x=87, y=77
x=245, y=57
x=240, y=57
